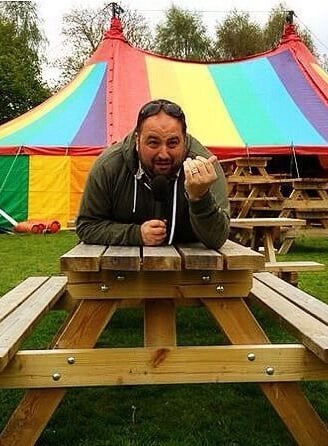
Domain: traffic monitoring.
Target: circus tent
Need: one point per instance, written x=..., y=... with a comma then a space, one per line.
x=271, y=103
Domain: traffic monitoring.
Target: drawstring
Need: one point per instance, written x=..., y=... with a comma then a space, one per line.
x=135, y=194
x=174, y=209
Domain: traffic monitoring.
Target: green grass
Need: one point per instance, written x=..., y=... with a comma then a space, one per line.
x=171, y=415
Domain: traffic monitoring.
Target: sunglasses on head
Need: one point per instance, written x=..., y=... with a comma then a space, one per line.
x=154, y=107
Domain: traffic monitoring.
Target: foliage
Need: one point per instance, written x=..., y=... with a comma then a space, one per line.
x=84, y=29
x=324, y=62
x=183, y=35
x=238, y=36
x=21, y=85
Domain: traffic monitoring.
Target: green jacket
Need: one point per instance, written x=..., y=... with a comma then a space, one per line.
x=117, y=199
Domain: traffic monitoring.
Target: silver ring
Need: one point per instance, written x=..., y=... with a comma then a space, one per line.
x=194, y=170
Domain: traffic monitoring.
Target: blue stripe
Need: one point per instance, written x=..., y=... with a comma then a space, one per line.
x=60, y=125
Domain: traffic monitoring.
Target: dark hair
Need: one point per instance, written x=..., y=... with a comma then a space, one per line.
x=154, y=107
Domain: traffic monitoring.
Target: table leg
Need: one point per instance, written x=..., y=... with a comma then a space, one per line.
x=159, y=323
x=270, y=255
x=245, y=208
x=34, y=411
x=240, y=326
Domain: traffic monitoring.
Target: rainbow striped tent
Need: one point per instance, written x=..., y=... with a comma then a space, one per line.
x=270, y=103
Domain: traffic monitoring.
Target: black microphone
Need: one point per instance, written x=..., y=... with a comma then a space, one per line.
x=160, y=190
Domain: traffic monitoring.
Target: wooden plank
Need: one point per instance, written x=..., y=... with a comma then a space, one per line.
x=197, y=256
x=37, y=405
x=304, y=205
x=240, y=327
x=266, y=222
x=308, y=303
x=162, y=284
x=11, y=300
x=163, y=363
x=294, y=266
x=162, y=258
x=159, y=326
x=312, y=332
x=125, y=258
x=18, y=324
x=239, y=257
x=256, y=199
x=82, y=257
x=257, y=179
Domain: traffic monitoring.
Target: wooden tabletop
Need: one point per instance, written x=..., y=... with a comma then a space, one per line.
x=266, y=222
x=185, y=271
x=194, y=256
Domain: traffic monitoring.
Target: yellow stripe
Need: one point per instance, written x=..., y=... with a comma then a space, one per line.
x=45, y=107
x=320, y=71
x=80, y=167
x=49, y=188
x=192, y=87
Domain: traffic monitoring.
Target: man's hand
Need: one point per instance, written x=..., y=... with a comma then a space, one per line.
x=153, y=232
x=199, y=175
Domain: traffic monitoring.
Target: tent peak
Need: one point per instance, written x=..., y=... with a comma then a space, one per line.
x=115, y=31
x=290, y=33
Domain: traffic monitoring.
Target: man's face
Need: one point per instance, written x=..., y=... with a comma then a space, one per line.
x=161, y=145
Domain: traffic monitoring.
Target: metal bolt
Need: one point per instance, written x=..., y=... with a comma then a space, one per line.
x=56, y=376
x=269, y=370
x=206, y=279
x=220, y=288
x=104, y=287
x=71, y=360
x=120, y=277
x=251, y=356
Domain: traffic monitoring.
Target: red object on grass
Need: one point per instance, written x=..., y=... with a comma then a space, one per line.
x=38, y=226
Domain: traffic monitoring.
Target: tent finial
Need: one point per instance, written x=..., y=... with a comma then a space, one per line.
x=290, y=17
x=117, y=10
x=290, y=32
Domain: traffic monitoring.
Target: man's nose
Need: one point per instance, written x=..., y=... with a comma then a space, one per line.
x=163, y=151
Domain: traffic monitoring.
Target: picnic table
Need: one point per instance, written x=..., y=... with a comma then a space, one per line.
x=102, y=279
x=264, y=231
x=253, y=191
x=308, y=200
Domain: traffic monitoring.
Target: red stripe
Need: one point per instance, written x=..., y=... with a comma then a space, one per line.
x=129, y=70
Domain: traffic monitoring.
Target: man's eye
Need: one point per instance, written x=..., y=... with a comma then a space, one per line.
x=172, y=144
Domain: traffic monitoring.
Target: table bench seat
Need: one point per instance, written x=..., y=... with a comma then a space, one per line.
x=289, y=270
x=306, y=315
x=21, y=309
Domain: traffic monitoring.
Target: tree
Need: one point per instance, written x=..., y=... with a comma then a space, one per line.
x=21, y=85
x=183, y=35
x=238, y=37
x=324, y=62
x=84, y=29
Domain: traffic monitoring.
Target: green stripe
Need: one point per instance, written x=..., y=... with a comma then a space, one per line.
x=14, y=174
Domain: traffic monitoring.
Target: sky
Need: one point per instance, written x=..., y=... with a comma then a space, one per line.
x=312, y=15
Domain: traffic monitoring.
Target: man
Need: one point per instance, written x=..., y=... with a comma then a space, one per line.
x=157, y=186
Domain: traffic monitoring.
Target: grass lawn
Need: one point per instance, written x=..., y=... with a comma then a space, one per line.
x=171, y=415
